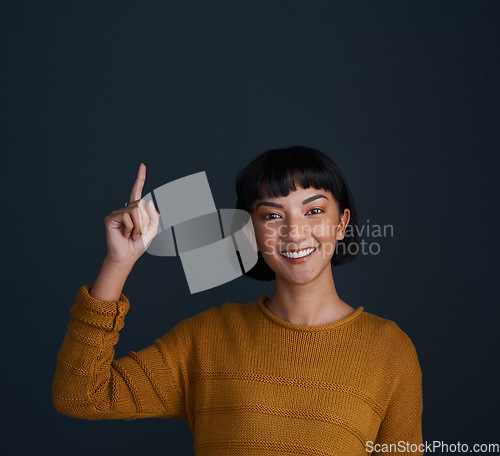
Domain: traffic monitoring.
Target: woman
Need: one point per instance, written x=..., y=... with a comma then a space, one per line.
x=301, y=372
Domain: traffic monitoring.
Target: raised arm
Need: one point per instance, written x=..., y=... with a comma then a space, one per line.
x=89, y=383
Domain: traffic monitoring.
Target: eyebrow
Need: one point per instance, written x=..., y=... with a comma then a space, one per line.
x=307, y=200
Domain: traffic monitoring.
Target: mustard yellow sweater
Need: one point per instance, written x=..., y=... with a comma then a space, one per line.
x=248, y=382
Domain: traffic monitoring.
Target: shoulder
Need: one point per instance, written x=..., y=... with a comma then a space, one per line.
x=215, y=318
x=384, y=328
x=385, y=336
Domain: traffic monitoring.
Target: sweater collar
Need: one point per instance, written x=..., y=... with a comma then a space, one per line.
x=336, y=324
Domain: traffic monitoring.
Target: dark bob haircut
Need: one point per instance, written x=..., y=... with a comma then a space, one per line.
x=277, y=171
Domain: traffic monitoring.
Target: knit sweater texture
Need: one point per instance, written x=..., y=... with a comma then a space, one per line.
x=248, y=382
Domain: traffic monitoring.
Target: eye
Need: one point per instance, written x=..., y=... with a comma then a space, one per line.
x=315, y=209
x=270, y=215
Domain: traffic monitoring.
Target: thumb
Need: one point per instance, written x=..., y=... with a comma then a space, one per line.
x=154, y=217
x=150, y=231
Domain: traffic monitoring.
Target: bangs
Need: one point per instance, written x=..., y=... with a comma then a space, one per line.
x=277, y=174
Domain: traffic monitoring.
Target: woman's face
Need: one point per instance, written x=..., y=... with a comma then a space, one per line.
x=297, y=234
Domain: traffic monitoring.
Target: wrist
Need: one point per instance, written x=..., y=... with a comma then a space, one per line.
x=110, y=264
x=110, y=280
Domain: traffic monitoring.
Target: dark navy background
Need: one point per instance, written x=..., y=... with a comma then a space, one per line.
x=404, y=96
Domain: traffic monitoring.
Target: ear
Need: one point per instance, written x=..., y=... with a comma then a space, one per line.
x=250, y=234
x=344, y=221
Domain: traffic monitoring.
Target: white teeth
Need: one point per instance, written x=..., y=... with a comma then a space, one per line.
x=300, y=254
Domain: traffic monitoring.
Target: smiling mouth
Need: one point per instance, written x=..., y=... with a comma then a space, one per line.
x=299, y=254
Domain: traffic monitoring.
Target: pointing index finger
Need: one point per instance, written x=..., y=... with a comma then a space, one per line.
x=136, y=193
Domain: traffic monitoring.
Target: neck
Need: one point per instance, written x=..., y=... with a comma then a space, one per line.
x=310, y=304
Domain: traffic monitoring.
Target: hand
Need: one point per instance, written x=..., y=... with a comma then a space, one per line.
x=131, y=229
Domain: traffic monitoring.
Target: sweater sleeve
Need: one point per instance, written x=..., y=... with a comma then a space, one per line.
x=401, y=426
x=89, y=383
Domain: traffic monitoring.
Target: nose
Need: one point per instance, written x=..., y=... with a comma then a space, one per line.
x=295, y=231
